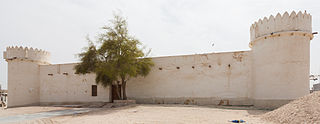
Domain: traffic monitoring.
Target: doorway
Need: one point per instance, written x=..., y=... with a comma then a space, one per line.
x=115, y=95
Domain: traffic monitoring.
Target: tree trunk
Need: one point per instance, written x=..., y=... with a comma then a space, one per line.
x=118, y=91
x=124, y=89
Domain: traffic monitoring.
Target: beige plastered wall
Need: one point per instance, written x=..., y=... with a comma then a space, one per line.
x=273, y=73
x=60, y=85
x=23, y=86
x=281, y=71
x=200, y=79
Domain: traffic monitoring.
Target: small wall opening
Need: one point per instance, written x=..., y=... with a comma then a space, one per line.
x=94, y=90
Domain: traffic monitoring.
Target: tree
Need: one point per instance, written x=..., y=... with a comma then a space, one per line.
x=116, y=57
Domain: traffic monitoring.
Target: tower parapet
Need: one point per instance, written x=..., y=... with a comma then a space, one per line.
x=273, y=26
x=26, y=53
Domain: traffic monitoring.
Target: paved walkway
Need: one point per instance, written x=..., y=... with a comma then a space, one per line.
x=24, y=117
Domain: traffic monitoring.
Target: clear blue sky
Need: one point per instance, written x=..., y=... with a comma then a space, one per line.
x=169, y=27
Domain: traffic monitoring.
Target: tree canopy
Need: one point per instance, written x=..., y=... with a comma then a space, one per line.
x=115, y=57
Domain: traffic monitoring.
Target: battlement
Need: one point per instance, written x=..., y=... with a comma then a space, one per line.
x=26, y=53
x=293, y=22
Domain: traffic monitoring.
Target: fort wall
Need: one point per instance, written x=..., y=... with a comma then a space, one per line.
x=273, y=73
x=196, y=79
x=60, y=85
x=281, y=58
x=23, y=83
x=24, y=74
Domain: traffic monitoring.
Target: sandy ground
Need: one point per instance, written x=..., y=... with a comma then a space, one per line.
x=154, y=114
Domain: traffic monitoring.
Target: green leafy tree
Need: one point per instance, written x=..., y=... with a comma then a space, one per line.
x=115, y=58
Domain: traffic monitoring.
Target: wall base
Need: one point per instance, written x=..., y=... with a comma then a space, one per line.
x=261, y=104
x=69, y=103
x=31, y=104
x=269, y=104
x=195, y=101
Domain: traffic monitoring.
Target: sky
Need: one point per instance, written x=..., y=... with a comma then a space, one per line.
x=168, y=27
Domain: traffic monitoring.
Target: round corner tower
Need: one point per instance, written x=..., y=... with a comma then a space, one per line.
x=281, y=58
x=23, y=74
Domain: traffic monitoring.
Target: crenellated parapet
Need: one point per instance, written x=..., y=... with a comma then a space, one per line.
x=26, y=53
x=295, y=22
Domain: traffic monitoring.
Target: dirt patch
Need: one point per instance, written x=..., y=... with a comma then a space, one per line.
x=238, y=56
x=303, y=110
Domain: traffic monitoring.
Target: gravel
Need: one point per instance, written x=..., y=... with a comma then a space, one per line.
x=304, y=110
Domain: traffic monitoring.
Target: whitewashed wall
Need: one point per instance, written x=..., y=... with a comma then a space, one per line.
x=281, y=58
x=23, y=86
x=273, y=73
x=66, y=87
x=199, y=85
